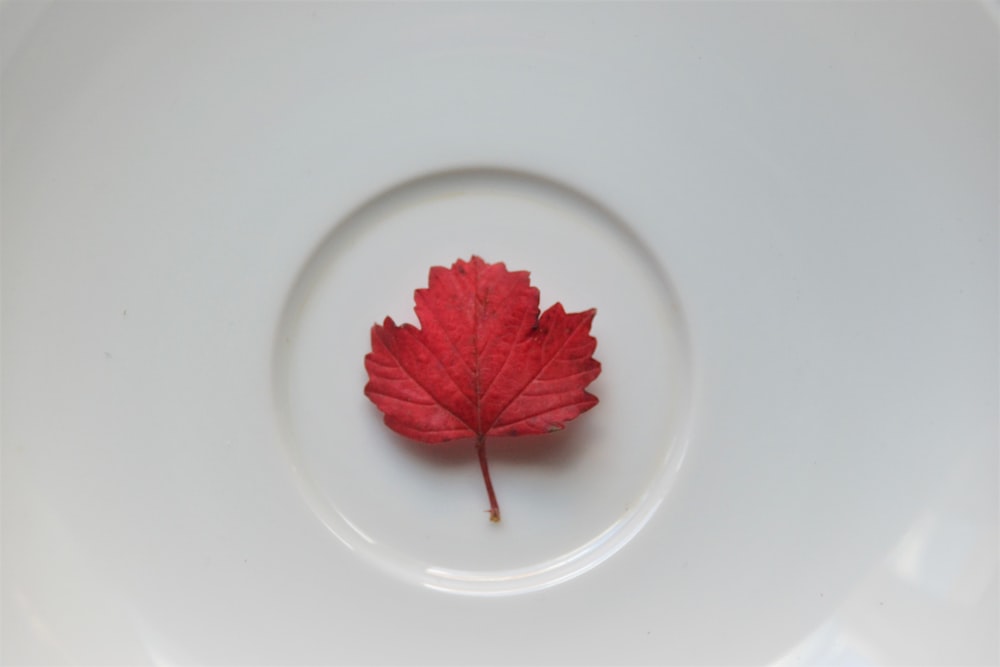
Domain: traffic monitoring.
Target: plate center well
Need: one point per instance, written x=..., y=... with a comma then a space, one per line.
x=570, y=499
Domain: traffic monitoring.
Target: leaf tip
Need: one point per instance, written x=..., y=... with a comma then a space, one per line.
x=387, y=323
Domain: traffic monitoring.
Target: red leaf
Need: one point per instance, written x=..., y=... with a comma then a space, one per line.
x=483, y=362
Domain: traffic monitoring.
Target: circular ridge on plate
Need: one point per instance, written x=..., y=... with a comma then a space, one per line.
x=318, y=379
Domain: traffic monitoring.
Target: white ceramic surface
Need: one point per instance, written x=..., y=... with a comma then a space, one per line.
x=786, y=215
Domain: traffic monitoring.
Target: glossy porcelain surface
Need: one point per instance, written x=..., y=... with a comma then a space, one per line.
x=785, y=214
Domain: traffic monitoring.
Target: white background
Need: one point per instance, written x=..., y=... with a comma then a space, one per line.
x=820, y=181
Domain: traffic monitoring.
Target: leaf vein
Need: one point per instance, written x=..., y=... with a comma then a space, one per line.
x=539, y=414
x=454, y=346
x=426, y=390
x=510, y=353
x=541, y=370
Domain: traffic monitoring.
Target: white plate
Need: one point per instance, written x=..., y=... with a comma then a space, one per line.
x=785, y=215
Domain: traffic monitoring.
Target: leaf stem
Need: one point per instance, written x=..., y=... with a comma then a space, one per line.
x=481, y=451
